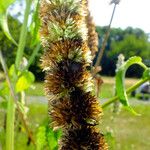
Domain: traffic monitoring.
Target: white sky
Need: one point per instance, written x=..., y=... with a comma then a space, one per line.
x=135, y=13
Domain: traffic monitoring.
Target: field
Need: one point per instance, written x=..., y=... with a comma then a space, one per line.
x=123, y=131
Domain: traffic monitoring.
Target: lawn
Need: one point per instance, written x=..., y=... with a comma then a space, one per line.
x=107, y=88
x=123, y=131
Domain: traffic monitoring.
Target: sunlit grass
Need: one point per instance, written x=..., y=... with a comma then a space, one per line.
x=130, y=132
x=107, y=88
x=124, y=130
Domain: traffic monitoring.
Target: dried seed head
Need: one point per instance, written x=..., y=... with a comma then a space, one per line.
x=68, y=82
x=115, y=2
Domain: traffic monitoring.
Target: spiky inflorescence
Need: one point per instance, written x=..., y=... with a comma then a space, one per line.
x=68, y=82
x=92, y=36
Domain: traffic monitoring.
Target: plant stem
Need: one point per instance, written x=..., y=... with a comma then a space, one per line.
x=15, y=98
x=129, y=90
x=31, y=59
x=10, y=124
x=23, y=35
x=100, y=54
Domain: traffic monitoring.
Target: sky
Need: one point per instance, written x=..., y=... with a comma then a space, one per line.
x=134, y=13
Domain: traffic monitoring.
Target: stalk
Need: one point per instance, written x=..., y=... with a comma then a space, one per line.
x=23, y=35
x=101, y=52
x=24, y=121
x=32, y=57
x=10, y=124
x=129, y=90
x=10, y=119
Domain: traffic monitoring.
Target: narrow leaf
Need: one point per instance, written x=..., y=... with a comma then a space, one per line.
x=4, y=25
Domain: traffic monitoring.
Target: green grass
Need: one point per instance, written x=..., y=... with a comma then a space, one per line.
x=106, y=90
x=36, y=90
x=124, y=131
x=129, y=132
x=37, y=116
x=108, y=87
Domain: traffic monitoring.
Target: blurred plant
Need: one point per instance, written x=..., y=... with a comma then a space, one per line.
x=18, y=77
x=120, y=62
x=73, y=106
x=47, y=138
x=120, y=83
x=101, y=52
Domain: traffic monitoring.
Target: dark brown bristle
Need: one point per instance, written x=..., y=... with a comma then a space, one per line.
x=68, y=82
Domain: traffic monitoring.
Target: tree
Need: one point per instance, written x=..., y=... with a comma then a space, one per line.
x=129, y=42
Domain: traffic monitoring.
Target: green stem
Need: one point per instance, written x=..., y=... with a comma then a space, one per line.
x=129, y=90
x=12, y=92
x=31, y=59
x=10, y=110
x=10, y=124
x=23, y=35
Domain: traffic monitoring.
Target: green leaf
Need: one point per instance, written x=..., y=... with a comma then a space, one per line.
x=12, y=70
x=120, y=81
x=51, y=138
x=41, y=137
x=4, y=4
x=25, y=81
x=57, y=134
x=4, y=90
x=146, y=73
x=3, y=104
x=35, y=24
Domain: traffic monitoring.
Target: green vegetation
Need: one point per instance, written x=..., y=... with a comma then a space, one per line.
x=130, y=42
x=109, y=85
x=126, y=131
x=24, y=122
x=37, y=89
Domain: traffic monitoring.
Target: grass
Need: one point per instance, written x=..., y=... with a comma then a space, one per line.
x=107, y=89
x=123, y=131
x=37, y=116
x=128, y=132
x=37, y=89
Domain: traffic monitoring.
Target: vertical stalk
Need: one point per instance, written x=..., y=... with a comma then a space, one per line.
x=24, y=121
x=35, y=51
x=23, y=34
x=10, y=124
x=100, y=54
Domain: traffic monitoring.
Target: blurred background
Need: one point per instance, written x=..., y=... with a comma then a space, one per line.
x=129, y=35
